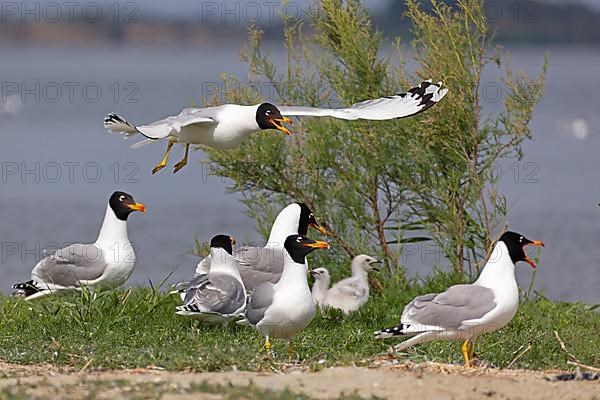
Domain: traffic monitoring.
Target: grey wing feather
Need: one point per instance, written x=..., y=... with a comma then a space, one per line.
x=258, y=265
x=258, y=303
x=164, y=127
x=68, y=266
x=414, y=101
x=221, y=294
x=189, y=288
x=450, y=309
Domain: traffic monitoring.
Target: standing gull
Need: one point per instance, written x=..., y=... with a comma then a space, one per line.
x=349, y=294
x=284, y=309
x=226, y=126
x=265, y=264
x=465, y=312
x=104, y=264
x=218, y=296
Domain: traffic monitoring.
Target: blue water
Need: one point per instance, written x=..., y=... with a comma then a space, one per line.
x=52, y=151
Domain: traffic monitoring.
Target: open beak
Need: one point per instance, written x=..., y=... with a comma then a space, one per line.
x=318, y=245
x=538, y=243
x=319, y=228
x=375, y=267
x=137, y=207
x=313, y=273
x=278, y=122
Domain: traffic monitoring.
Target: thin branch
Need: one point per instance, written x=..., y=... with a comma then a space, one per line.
x=581, y=365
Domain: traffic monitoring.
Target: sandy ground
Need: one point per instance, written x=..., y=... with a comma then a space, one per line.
x=405, y=381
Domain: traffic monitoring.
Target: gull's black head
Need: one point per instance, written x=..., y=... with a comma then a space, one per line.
x=307, y=218
x=269, y=117
x=224, y=242
x=515, y=242
x=123, y=204
x=298, y=247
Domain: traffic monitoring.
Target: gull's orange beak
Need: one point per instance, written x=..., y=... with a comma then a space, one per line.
x=533, y=243
x=137, y=207
x=278, y=123
x=233, y=241
x=318, y=245
x=319, y=228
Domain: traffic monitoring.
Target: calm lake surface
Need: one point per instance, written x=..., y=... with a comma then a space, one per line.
x=59, y=165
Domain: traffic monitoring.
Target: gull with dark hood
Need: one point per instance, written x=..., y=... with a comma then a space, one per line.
x=104, y=264
x=226, y=126
x=465, y=312
x=284, y=309
x=218, y=296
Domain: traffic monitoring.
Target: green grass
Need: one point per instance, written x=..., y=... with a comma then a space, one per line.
x=138, y=328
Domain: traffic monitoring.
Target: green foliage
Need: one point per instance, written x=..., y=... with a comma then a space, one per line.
x=376, y=185
x=138, y=328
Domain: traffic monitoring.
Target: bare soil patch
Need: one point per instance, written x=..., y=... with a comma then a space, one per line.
x=386, y=380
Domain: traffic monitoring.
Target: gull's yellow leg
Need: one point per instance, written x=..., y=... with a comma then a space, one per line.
x=268, y=345
x=291, y=350
x=163, y=163
x=465, y=352
x=472, y=349
x=183, y=162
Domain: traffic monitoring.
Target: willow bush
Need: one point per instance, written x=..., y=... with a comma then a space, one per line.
x=377, y=185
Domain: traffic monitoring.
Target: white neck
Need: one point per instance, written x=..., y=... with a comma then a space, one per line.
x=321, y=286
x=358, y=271
x=221, y=262
x=285, y=224
x=113, y=231
x=293, y=275
x=499, y=268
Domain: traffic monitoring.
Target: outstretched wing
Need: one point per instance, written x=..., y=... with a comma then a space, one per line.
x=162, y=128
x=414, y=101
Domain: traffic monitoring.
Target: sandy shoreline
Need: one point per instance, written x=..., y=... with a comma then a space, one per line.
x=430, y=381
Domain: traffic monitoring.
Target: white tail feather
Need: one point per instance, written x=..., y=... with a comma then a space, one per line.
x=143, y=143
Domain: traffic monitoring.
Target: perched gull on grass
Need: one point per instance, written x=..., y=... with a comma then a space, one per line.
x=226, y=126
x=465, y=312
x=220, y=295
x=349, y=294
x=284, y=309
x=265, y=264
x=105, y=264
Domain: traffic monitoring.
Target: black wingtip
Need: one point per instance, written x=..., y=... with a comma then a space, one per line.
x=113, y=117
x=397, y=330
x=26, y=289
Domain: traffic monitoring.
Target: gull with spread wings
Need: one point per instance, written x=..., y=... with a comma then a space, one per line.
x=226, y=126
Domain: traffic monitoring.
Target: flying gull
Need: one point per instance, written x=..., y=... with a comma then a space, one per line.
x=226, y=126
x=347, y=295
x=465, y=312
x=265, y=264
x=220, y=295
x=104, y=264
x=284, y=309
